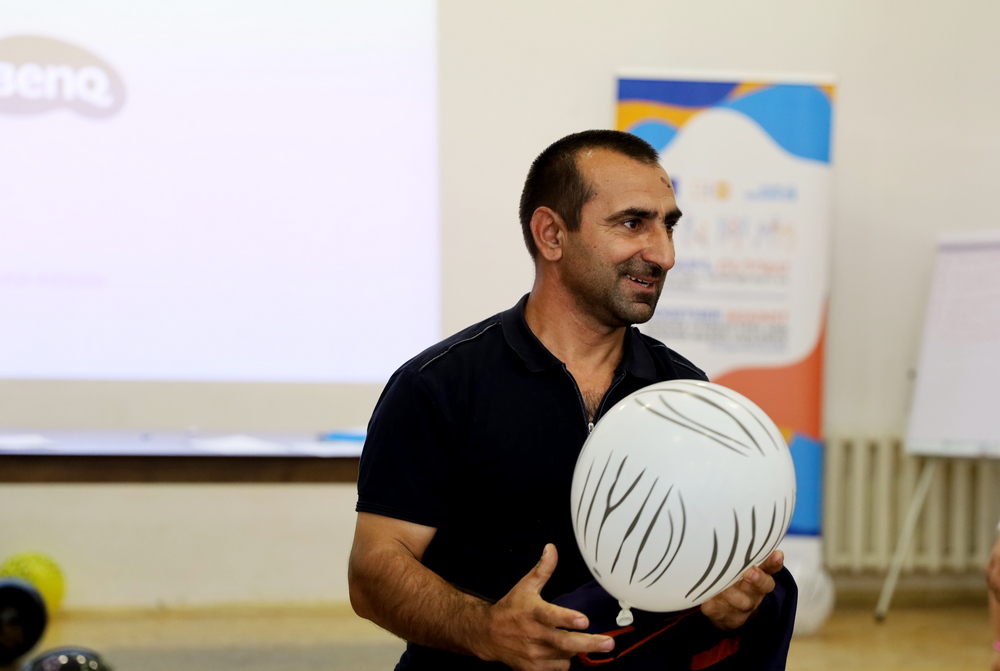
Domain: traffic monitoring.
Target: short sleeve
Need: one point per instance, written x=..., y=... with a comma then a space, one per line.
x=408, y=461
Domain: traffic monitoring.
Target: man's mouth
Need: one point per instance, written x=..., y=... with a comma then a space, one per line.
x=643, y=283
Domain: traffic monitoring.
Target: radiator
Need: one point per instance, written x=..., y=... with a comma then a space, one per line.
x=868, y=485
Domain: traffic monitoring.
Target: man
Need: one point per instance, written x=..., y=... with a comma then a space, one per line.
x=467, y=467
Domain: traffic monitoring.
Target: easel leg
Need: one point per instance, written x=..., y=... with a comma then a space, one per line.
x=905, y=537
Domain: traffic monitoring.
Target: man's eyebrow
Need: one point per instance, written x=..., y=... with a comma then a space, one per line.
x=670, y=217
x=635, y=212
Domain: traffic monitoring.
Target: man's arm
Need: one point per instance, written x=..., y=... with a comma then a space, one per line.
x=731, y=608
x=391, y=587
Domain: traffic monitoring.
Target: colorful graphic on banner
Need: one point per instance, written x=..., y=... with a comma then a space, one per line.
x=747, y=298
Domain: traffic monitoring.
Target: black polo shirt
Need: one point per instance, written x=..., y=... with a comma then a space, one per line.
x=478, y=437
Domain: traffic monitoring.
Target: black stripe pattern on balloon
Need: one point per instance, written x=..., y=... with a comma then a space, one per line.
x=609, y=506
x=704, y=393
x=750, y=556
x=680, y=542
x=744, y=444
x=755, y=550
x=671, y=414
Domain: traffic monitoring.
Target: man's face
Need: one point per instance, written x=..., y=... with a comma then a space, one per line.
x=615, y=264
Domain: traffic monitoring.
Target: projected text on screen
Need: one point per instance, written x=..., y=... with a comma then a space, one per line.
x=217, y=190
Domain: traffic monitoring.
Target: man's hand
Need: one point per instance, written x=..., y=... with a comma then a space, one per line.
x=391, y=587
x=527, y=633
x=731, y=608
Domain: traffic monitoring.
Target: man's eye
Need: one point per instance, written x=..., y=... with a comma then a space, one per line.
x=631, y=224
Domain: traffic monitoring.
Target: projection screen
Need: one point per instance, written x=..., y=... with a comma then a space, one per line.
x=216, y=190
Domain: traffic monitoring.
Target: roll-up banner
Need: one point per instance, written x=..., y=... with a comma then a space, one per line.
x=747, y=299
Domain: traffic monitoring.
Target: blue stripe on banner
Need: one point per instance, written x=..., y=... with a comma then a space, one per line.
x=798, y=117
x=807, y=456
x=657, y=134
x=342, y=435
x=684, y=93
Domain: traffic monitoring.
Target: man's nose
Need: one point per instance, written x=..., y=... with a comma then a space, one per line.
x=660, y=249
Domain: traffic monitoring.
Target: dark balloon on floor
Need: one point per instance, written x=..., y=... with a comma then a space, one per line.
x=67, y=659
x=22, y=618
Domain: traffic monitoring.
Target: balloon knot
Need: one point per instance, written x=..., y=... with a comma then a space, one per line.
x=624, y=618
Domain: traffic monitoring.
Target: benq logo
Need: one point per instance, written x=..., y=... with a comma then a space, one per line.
x=38, y=74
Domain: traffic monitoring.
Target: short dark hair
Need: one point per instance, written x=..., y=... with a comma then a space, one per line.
x=554, y=179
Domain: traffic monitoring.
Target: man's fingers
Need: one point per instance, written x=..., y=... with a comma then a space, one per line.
x=756, y=582
x=746, y=594
x=561, y=646
x=536, y=578
x=559, y=617
x=742, y=597
x=575, y=642
x=571, y=643
x=530, y=628
x=774, y=562
x=732, y=606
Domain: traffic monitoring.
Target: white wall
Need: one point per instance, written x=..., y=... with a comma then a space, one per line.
x=916, y=151
x=126, y=546
x=916, y=136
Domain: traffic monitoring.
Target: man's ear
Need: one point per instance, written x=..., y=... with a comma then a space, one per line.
x=549, y=232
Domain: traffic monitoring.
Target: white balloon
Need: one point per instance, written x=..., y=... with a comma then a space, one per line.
x=679, y=488
x=815, y=601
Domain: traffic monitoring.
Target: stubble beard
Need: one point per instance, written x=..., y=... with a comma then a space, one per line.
x=605, y=295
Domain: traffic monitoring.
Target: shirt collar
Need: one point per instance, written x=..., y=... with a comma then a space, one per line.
x=637, y=359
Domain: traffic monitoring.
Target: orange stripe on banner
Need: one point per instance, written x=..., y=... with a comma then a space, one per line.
x=631, y=113
x=792, y=396
x=746, y=88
